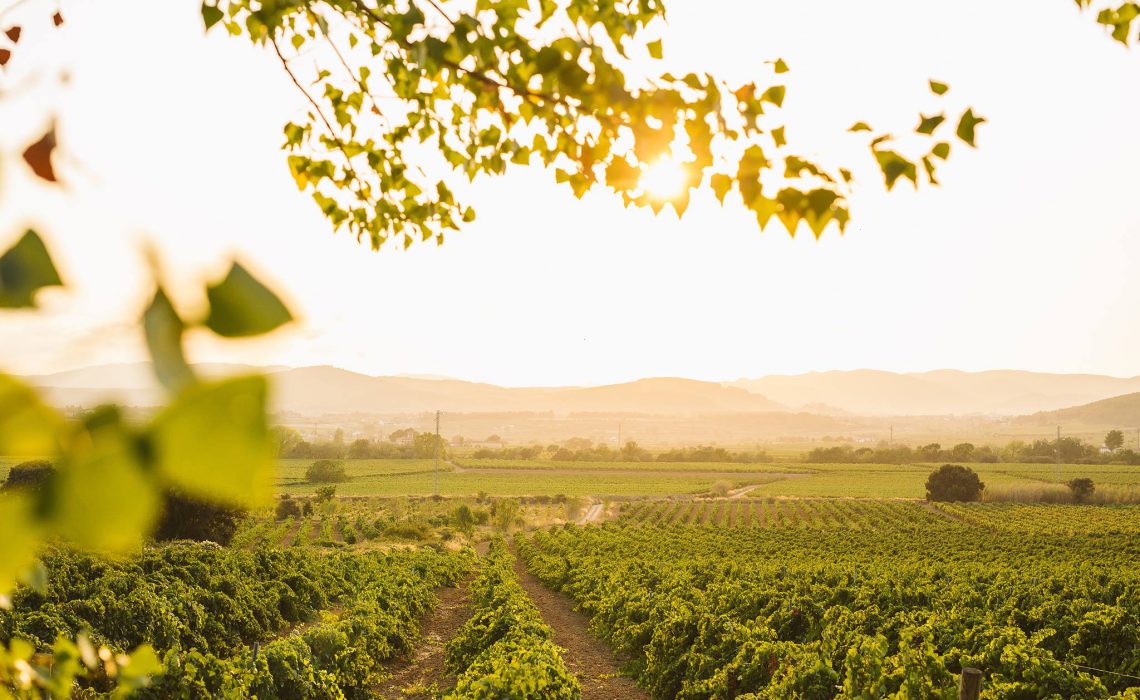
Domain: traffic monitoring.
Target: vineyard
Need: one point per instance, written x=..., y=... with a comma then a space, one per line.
x=227, y=623
x=856, y=599
x=744, y=597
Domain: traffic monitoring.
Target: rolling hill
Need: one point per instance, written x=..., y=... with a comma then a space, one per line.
x=320, y=390
x=1119, y=411
x=939, y=392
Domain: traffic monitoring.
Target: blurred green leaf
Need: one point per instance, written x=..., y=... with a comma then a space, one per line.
x=938, y=88
x=28, y=427
x=780, y=66
x=859, y=126
x=655, y=49
x=102, y=498
x=20, y=540
x=25, y=269
x=941, y=150
x=214, y=441
x=241, y=306
x=163, y=329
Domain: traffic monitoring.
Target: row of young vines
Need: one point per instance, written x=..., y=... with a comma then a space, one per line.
x=505, y=650
x=227, y=623
x=894, y=608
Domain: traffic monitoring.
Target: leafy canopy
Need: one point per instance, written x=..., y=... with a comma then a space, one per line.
x=403, y=88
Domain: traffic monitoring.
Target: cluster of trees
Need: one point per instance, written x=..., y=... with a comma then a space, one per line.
x=1070, y=450
x=423, y=446
x=584, y=450
x=705, y=453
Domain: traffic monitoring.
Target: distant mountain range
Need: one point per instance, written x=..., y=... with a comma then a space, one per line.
x=323, y=390
x=940, y=392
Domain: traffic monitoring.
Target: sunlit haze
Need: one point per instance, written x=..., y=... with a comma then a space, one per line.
x=1025, y=256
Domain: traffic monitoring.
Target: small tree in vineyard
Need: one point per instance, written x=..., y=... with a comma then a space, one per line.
x=953, y=482
x=1082, y=488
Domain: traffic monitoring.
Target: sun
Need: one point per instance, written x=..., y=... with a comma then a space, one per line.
x=665, y=179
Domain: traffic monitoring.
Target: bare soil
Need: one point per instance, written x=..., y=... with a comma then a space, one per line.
x=591, y=660
x=423, y=673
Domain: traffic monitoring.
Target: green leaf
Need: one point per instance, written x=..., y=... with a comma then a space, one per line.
x=938, y=88
x=20, y=539
x=780, y=66
x=941, y=150
x=655, y=49
x=214, y=441
x=102, y=498
x=163, y=329
x=28, y=427
x=24, y=270
x=860, y=126
x=927, y=125
x=241, y=306
x=778, y=136
x=211, y=15
x=967, y=125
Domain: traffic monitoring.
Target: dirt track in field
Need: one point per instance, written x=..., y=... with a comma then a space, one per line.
x=415, y=675
x=591, y=660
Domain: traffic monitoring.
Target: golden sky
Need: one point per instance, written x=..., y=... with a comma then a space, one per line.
x=1026, y=257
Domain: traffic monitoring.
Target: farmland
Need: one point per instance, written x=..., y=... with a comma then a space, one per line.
x=468, y=477
x=804, y=598
x=622, y=579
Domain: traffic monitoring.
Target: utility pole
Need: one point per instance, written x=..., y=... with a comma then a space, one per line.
x=435, y=473
x=1058, y=454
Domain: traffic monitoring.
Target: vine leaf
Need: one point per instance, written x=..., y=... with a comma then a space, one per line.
x=28, y=427
x=24, y=270
x=235, y=462
x=240, y=306
x=107, y=500
x=163, y=330
x=20, y=542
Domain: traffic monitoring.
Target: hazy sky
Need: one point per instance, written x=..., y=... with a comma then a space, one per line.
x=1026, y=257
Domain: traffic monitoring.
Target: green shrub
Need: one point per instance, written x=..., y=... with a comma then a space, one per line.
x=325, y=471
x=953, y=482
x=1082, y=488
x=287, y=508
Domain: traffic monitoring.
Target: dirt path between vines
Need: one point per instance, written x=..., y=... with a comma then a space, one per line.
x=423, y=673
x=592, y=661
